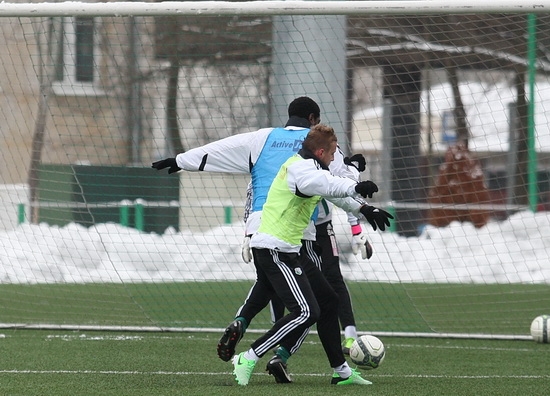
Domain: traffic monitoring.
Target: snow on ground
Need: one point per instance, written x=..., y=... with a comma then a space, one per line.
x=515, y=250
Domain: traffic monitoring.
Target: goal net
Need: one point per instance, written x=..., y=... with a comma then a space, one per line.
x=446, y=100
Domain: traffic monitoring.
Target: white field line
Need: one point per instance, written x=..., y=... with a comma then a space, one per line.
x=46, y=326
x=85, y=337
x=389, y=345
x=185, y=373
x=119, y=337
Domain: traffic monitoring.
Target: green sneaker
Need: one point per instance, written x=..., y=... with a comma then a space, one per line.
x=346, y=345
x=354, y=379
x=242, y=368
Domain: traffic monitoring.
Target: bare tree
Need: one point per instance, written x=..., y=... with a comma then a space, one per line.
x=46, y=74
x=521, y=132
x=459, y=113
x=172, y=38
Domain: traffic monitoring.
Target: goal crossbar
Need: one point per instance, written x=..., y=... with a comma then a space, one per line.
x=197, y=8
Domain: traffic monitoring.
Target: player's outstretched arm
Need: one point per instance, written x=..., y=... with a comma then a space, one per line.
x=378, y=218
x=169, y=163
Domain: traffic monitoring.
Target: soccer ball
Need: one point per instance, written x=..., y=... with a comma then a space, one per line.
x=540, y=329
x=367, y=352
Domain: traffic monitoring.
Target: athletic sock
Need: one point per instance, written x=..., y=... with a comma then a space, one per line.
x=251, y=355
x=344, y=371
x=283, y=353
x=350, y=332
x=243, y=321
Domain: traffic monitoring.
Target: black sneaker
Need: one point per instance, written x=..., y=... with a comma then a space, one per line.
x=230, y=338
x=277, y=368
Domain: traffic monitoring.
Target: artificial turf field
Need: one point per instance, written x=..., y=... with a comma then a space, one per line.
x=88, y=362
x=378, y=307
x=43, y=362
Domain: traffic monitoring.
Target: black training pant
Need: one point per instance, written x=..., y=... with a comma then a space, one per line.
x=330, y=267
x=273, y=280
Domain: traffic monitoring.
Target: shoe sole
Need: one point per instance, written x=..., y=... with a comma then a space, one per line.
x=280, y=374
x=227, y=344
x=344, y=383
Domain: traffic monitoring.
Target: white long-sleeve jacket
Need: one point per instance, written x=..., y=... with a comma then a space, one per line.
x=338, y=168
x=285, y=215
x=239, y=154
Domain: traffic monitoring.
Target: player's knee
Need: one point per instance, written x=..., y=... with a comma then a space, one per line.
x=330, y=303
x=313, y=314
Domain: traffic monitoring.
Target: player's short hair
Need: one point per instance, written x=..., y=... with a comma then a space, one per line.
x=320, y=136
x=302, y=107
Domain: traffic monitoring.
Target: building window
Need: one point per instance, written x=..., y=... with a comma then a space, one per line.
x=77, y=57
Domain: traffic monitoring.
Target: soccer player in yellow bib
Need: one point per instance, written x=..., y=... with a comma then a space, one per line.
x=302, y=181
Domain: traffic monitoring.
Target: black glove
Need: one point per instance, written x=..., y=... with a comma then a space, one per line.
x=376, y=217
x=366, y=188
x=165, y=163
x=359, y=159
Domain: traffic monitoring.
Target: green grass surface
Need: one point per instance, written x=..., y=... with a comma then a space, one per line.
x=111, y=363
x=488, y=309
x=49, y=362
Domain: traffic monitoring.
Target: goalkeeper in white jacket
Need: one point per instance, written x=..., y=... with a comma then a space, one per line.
x=299, y=185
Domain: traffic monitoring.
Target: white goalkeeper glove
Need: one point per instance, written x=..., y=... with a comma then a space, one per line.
x=246, y=252
x=359, y=242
